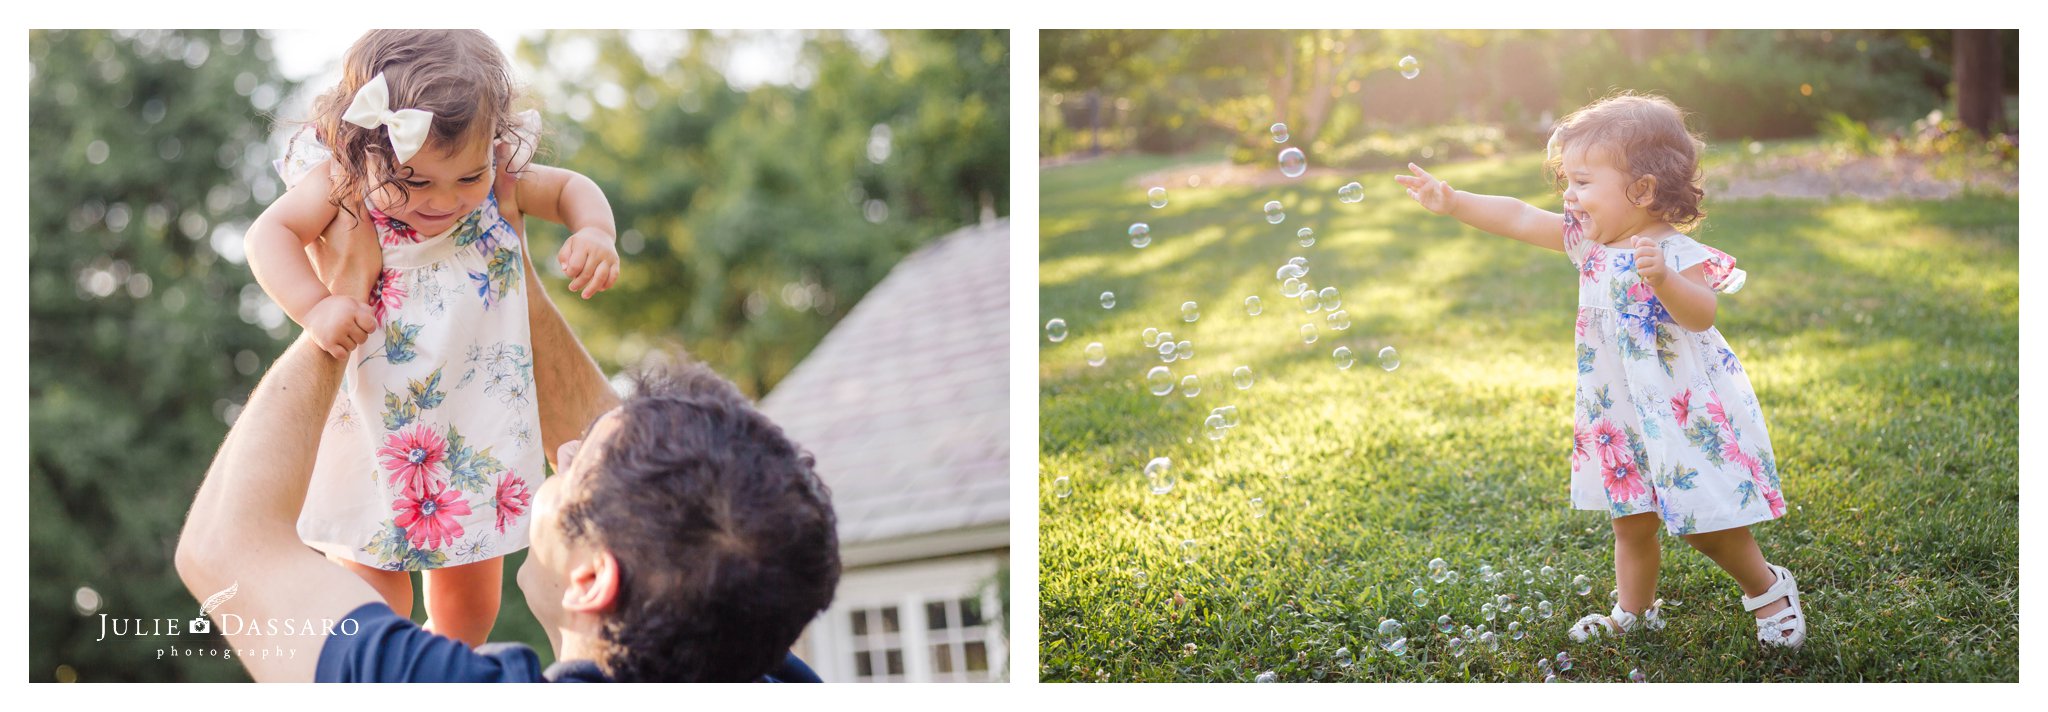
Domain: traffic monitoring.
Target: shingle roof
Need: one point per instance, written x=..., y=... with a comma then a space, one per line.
x=905, y=403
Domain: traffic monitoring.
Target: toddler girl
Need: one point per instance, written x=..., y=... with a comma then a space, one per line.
x=1666, y=427
x=430, y=459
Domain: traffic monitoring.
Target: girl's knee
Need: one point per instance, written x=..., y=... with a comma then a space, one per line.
x=1637, y=526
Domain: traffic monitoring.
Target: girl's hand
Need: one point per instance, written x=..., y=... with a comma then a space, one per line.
x=339, y=324
x=591, y=261
x=1435, y=195
x=1650, y=262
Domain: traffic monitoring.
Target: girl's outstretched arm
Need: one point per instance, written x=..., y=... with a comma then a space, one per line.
x=590, y=256
x=1497, y=214
x=276, y=246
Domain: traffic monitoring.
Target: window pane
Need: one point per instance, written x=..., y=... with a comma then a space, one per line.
x=860, y=621
x=889, y=624
x=863, y=666
x=942, y=657
x=935, y=615
x=896, y=662
x=970, y=612
x=977, y=656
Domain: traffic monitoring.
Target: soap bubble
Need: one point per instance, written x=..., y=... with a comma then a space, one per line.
x=1216, y=423
x=1062, y=487
x=1443, y=624
x=1191, y=385
x=1290, y=270
x=1582, y=585
x=1186, y=349
x=1157, y=195
x=1229, y=413
x=1410, y=67
x=1251, y=305
x=1293, y=287
x=1167, y=349
x=1338, y=320
x=1109, y=300
x=1311, y=300
x=1636, y=675
x=1190, y=551
x=1095, y=353
x=1488, y=611
x=1451, y=577
x=1292, y=162
x=1391, y=638
x=1437, y=569
x=1543, y=666
x=1515, y=630
x=1189, y=312
x=1528, y=577
x=1056, y=330
x=1308, y=333
x=1524, y=613
x=1279, y=133
x=1141, y=235
x=1242, y=377
x=1549, y=678
x=1457, y=647
x=1420, y=596
x=1344, y=659
x=1544, y=611
x=1151, y=338
x=1138, y=579
x=1343, y=357
x=1389, y=359
x=1490, y=640
x=1502, y=600
x=1160, y=379
x=1486, y=573
x=1329, y=296
x=1274, y=213
x=1159, y=475
x=1564, y=661
x=1306, y=236
x=1548, y=573
x=1267, y=676
x=1351, y=193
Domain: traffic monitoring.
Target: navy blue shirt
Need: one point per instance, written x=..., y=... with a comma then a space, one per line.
x=387, y=647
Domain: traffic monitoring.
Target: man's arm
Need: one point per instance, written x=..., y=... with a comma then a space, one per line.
x=242, y=530
x=572, y=390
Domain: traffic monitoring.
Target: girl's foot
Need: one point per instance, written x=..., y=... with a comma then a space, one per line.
x=1618, y=622
x=1778, y=618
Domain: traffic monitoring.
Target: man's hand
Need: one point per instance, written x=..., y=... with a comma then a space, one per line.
x=1650, y=262
x=591, y=260
x=347, y=256
x=339, y=324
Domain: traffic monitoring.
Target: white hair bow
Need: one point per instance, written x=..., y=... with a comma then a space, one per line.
x=372, y=108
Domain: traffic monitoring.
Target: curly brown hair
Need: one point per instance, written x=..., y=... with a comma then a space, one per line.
x=457, y=75
x=1645, y=135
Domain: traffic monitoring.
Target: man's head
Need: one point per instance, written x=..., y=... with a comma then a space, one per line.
x=685, y=539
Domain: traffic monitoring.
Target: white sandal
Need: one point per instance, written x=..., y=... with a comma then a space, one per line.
x=1618, y=622
x=1785, y=628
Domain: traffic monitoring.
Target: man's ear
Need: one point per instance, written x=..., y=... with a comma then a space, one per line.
x=593, y=584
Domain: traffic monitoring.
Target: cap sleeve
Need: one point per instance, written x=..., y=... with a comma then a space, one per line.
x=1681, y=252
x=301, y=154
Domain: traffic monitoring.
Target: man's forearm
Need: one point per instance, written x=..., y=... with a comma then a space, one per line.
x=572, y=390
x=257, y=483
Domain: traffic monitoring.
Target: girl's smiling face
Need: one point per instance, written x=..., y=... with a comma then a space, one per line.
x=1597, y=191
x=441, y=187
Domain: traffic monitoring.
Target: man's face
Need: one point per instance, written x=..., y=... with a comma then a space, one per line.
x=545, y=575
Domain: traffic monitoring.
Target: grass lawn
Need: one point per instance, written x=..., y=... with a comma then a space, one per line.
x=1882, y=339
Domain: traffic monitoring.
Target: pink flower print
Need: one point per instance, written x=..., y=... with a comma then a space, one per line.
x=1777, y=501
x=1590, y=269
x=511, y=499
x=393, y=232
x=1681, y=406
x=386, y=295
x=1581, y=439
x=429, y=519
x=413, y=457
x=1585, y=321
x=1624, y=481
x=1610, y=442
x=1640, y=293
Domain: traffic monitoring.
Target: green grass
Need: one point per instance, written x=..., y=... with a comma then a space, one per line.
x=1882, y=339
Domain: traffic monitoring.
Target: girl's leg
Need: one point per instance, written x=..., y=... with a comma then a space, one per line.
x=1736, y=552
x=394, y=586
x=1636, y=555
x=462, y=601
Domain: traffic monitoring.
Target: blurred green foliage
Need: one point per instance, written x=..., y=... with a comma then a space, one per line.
x=751, y=219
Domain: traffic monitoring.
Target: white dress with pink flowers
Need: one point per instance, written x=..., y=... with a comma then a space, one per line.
x=1665, y=419
x=432, y=453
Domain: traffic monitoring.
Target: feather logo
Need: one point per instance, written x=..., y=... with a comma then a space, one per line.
x=215, y=600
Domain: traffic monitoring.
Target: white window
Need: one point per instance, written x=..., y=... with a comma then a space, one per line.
x=912, y=622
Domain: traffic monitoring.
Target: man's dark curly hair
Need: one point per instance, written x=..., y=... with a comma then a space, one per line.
x=725, y=538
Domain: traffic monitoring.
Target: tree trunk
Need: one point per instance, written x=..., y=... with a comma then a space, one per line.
x=1980, y=81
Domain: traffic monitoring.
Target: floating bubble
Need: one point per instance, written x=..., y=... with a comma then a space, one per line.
x=1490, y=640
x=1293, y=287
x=1549, y=678
x=1443, y=624
x=1056, y=330
x=1293, y=163
x=1274, y=213
x=1502, y=601
x=1351, y=193
x=1343, y=358
x=1410, y=67
x=1290, y=271
x=1157, y=195
x=1544, y=611
x=1242, y=377
x=1062, y=487
x=1267, y=676
x=1515, y=631
x=1141, y=235
x=1095, y=353
x=1160, y=380
x=1311, y=300
x=1344, y=659
x=1229, y=413
x=1528, y=577
x=1451, y=578
x=1524, y=613
x=1151, y=338
x=1548, y=573
x=1437, y=569
x=1338, y=320
x=1636, y=675
x=1389, y=359
x=1189, y=312
x=1299, y=261
x=1582, y=585
x=1216, y=422
x=1564, y=661
x=1186, y=349
x=1391, y=638
x=1167, y=350
x=1488, y=611
x=1191, y=385
x=1308, y=333
x=1420, y=596
x=1190, y=551
x=1159, y=475
x=1307, y=237
x=1543, y=666
x=1251, y=305
x=1279, y=133
x=1486, y=573
x=1467, y=632
x=1456, y=647
x=1138, y=579
x=1330, y=299
x=1109, y=300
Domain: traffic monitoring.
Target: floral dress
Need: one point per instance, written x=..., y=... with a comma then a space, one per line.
x=432, y=455
x=1665, y=420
